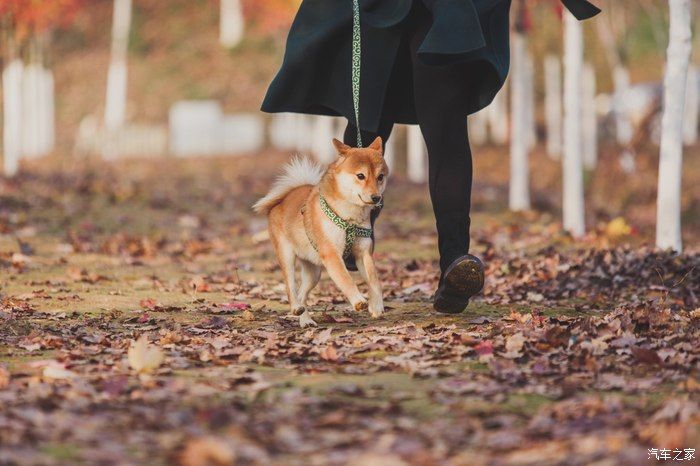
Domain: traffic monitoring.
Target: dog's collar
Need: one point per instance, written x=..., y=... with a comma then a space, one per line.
x=351, y=230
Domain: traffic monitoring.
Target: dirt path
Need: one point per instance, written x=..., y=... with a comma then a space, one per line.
x=575, y=354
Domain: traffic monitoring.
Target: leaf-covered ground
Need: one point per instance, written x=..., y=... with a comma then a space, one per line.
x=576, y=353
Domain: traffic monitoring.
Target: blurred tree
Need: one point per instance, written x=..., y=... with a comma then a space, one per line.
x=519, y=191
x=115, y=103
x=668, y=209
x=231, y=24
x=573, y=202
x=27, y=84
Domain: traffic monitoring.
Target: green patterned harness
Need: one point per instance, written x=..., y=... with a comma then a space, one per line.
x=351, y=230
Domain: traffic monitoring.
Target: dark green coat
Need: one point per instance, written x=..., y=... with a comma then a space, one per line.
x=470, y=35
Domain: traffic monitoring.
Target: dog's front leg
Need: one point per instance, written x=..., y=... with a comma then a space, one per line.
x=341, y=277
x=365, y=264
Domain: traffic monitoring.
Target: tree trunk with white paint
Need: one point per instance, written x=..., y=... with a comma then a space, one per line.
x=623, y=124
x=390, y=152
x=478, y=129
x=417, y=155
x=552, y=105
x=692, y=107
x=12, y=115
x=590, y=118
x=231, y=23
x=115, y=106
x=519, y=191
x=530, y=100
x=282, y=131
x=668, y=207
x=32, y=94
x=304, y=127
x=497, y=115
x=48, y=115
x=322, y=139
x=573, y=202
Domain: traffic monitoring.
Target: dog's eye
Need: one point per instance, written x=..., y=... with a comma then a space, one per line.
x=381, y=177
x=360, y=176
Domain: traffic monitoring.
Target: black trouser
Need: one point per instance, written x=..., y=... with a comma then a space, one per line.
x=444, y=127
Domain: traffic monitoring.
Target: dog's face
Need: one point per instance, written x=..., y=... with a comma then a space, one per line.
x=360, y=173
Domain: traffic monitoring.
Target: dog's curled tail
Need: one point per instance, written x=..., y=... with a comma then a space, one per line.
x=300, y=171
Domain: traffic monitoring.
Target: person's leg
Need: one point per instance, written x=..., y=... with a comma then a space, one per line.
x=350, y=135
x=439, y=94
x=443, y=123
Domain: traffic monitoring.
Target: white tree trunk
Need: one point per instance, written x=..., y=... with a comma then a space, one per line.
x=552, y=105
x=519, y=192
x=390, y=152
x=231, y=23
x=530, y=100
x=282, y=131
x=115, y=106
x=668, y=207
x=37, y=111
x=322, y=139
x=623, y=124
x=31, y=110
x=573, y=204
x=692, y=107
x=417, y=155
x=497, y=114
x=590, y=118
x=478, y=129
x=12, y=112
x=48, y=118
x=304, y=127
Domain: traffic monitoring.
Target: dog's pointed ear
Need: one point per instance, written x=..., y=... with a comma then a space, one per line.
x=341, y=148
x=377, y=145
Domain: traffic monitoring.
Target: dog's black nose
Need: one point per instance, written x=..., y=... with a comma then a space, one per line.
x=376, y=199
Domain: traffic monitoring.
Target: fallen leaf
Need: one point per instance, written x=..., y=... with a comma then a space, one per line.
x=329, y=353
x=596, y=346
x=646, y=356
x=57, y=371
x=4, y=377
x=234, y=306
x=148, y=303
x=207, y=451
x=485, y=347
x=144, y=357
x=617, y=227
x=514, y=345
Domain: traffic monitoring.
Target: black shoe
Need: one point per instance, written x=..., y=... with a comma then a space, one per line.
x=463, y=279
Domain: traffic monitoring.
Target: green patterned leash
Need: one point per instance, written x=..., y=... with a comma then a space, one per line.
x=356, y=66
x=351, y=230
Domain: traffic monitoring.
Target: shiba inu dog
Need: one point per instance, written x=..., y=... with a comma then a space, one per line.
x=320, y=216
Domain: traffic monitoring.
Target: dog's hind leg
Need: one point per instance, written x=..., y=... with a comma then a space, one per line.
x=287, y=259
x=310, y=275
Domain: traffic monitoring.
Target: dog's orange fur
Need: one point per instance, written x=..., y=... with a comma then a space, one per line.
x=352, y=198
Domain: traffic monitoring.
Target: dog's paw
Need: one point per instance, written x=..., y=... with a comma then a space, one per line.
x=299, y=311
x=305, y=320
x=376, y=312
x=361, y=306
